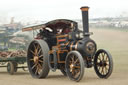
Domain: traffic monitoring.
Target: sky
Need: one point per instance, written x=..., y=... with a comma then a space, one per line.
x=44, y=10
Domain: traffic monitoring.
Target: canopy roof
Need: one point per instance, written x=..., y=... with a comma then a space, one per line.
x=54, y=24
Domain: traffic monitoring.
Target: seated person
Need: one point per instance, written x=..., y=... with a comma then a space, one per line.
x=66, y=31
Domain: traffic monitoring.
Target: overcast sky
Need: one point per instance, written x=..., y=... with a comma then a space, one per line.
x=53, y=9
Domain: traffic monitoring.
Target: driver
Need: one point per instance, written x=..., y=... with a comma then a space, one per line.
x=59, y=30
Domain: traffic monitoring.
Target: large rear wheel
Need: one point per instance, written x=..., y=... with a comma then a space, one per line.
x=74, y=66
x=103, y=63
x=37, y=59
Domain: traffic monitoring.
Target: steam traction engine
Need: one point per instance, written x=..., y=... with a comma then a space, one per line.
x=61, y=45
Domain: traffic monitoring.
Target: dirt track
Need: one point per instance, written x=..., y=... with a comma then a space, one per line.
x=114, y=41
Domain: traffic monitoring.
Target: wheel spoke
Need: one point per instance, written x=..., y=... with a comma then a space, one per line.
x=34, y=66
x=99, y=68
x=34, y=48
x=36, y=70
x=102, y=71
x=77, y=74
x=39, y=71
x=99, y=58
x=41, y=61
x=107, y=64
x=73, y=73
x=37, y=47
x=32, y=52
x=107, y=60
x=72, y=58
x=34, y=45
x=106, y=69
x=39, y=51
x=103, y=56
x=70, y=70
x=40, y=56
x=76, y=66
x=76, y=61
x=70, y=62
x=100, y=55
x=39, y=66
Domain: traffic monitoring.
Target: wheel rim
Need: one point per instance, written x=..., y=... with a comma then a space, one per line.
x=35, y=59
x=73, y=67
x=9, y=67
x=103, y=64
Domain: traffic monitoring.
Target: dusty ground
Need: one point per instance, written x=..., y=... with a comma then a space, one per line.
x=114, y=41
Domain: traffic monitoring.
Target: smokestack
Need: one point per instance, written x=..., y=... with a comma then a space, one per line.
x=85, y=20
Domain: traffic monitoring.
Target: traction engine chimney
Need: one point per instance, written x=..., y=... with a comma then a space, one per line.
x=85, y=20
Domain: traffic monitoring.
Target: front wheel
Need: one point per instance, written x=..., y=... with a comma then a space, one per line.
x=103, y=63
x=74, y=66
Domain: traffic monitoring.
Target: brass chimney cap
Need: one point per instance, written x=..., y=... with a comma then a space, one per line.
x=84, y=8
